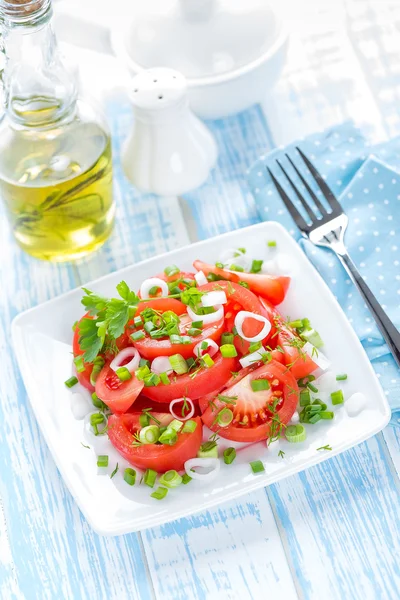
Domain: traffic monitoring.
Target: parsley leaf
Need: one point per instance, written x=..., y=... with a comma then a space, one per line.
x=90, y=339
x=117, y=316
x=93, y=303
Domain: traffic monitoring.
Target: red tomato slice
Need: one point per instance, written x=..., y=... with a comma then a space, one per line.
x=159, y=457
x=272, y=288
x=180, y=275
x=252, y=421
x=299, y=363
x=205, y=381
x=118, y=395
x=162, y=305
x=84, y=376
x=149, y=348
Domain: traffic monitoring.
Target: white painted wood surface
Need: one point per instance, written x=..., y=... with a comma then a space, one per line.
x=330, y=533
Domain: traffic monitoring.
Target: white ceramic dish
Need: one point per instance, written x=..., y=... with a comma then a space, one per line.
x=42, y=342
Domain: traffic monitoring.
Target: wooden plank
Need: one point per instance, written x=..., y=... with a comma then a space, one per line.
x=233, y=552
x=54, y=552
x=340, y=523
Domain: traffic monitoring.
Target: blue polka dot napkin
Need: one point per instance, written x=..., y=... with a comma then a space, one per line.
x=369, y=191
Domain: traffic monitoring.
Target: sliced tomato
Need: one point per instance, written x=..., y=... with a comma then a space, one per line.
x=83, y=376
x=159, y=457
x=180, y=275
x=252, y=415
x=299, y=363
x=150, y=348
x=206, y=380
x=162, y=305
x=118, y=395
x=272, y=288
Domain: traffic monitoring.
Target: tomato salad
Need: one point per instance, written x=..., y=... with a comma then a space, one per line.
x=192, y=357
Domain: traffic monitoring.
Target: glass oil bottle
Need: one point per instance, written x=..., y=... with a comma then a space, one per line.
x=55, y=150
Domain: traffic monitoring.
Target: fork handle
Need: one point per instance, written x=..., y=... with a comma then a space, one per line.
x=385, y=325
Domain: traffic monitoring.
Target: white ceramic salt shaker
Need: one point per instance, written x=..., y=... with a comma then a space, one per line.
x=169, y=151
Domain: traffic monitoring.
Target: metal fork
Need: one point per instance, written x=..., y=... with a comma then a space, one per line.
x=328, y=231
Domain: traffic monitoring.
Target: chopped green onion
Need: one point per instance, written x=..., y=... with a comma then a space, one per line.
x=144, y=420
x=295, y=433
x=175, y=339
x=312, y=336
x=204, y=345
x=138, y=321
x=153, y=290
x=305, y=398
x=164, y=378
x=312, y=387
x=189, y=426
x=102, y=460
x=172, y=270
x=96, y=419
x=237, y=268
x=219, y=265
x=190, y=362
x=271, y=243
x=256, y=266
x=98, y=364
x=227, y=338
x=224, y=417
x=151, y=380
x=149, y=434
x=314, y=418
x=149, y=477
x=305, y=380
x=313, y=408
x=178, y=364
x=175, y=290
x=159, y=493
x=242, y=250
x=207, y=360
x=306, y=323
x=326, y=414
x=170, y=317
x=71, y=381
x=142, y=373
x=143, y=362
x=175, y=425
x=296, y=324
x=259, y=385
x=213, y=277
x=194, y=332
x=171, y=479
x=189, y=282
x=229, y=455
x=186, y=478
x=115, y=471
x=254, y=347
x=322, y=404
x=228, y=350
x=130, y=476
x=149, y=326
x=244, y=284
x=137, y=335
x=208, y=450
x=337, y=397
x=78, y=362
x=257, y=466
x=96, y=401
x=169, y=437
x=185, y=339
x=157, y=334
x=341, y=377
x=197, y=324
x=303, y=416
x=123, y=374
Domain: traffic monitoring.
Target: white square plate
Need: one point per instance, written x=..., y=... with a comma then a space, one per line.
x=42, y=342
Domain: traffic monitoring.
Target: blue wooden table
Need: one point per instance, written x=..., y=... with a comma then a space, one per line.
x=329, y=533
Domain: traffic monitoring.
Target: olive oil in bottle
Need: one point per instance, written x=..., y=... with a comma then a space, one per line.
x=55, y=151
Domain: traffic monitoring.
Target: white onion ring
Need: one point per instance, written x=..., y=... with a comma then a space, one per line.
x=200, y=278
x=251, y=359
x=212, y=348
x=203, y=462
x=116, y=363
x=153, y=282
x=161, y=364
x=207, y=319
x=228, y=258
x=186, y=417
x=316, y=356
x=245, y=314
x=213, y=298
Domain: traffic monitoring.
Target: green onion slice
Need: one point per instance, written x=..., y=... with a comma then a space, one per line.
x=295, y=433
x=71, y=381
x=229, y=455
x=149, y=434
x=149, y=477
x=159, y=493
x=257, y=466
x=170, y=479
x=130, y=476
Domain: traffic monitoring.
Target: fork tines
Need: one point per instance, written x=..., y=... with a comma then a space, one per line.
x=334, y=205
